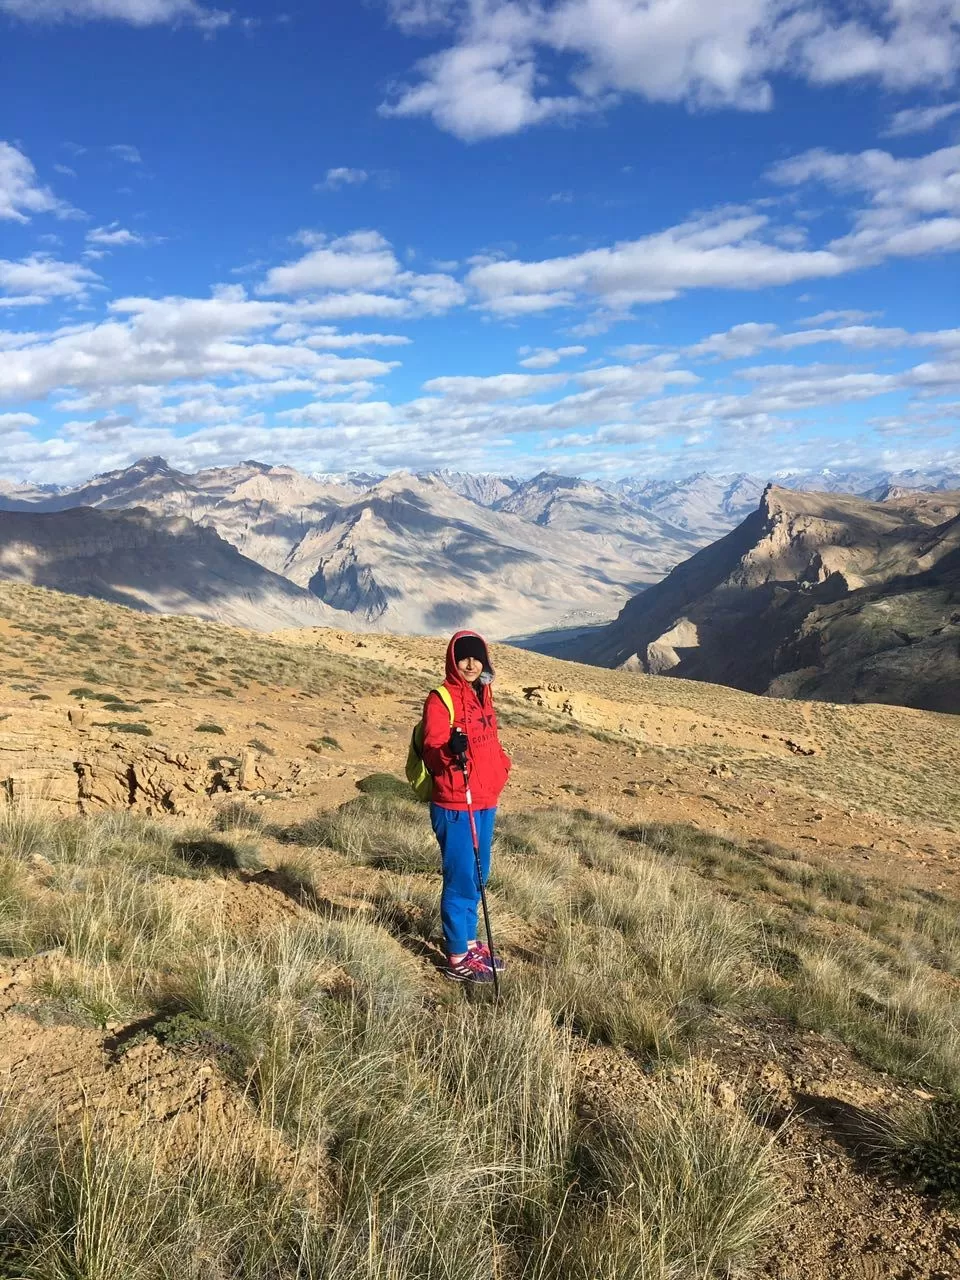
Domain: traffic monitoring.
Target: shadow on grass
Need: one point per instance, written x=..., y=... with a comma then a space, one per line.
x=218, y=855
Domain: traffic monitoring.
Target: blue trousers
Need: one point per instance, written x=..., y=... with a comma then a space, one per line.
x=460, y=896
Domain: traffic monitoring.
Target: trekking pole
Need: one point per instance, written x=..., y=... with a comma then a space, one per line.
x=462, y=762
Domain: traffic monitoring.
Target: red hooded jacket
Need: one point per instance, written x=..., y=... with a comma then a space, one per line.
x=487, y=761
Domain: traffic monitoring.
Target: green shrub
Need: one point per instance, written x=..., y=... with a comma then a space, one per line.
x=208, y=727
x=384, y=784
x=922, y=1144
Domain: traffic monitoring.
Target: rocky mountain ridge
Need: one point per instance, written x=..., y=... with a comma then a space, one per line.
x=813, y=595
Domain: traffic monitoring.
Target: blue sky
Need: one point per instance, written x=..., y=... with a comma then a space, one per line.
x=598, y=236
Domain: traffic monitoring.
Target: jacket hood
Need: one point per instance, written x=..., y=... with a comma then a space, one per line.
x=452, y=672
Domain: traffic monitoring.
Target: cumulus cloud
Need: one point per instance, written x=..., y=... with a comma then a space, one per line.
x=501, y=386
x=16, y=421
x=725, y=250
x=547, y=357
x=919, y=185
x=332, y=340
x=343, y=177
x=908, y=207
x=600, y=414
x=745, y=340
x=913, y=202
x=512, y=64
x=150, y=343
x=21, y=194
x=39, y=278
x=138, y=13
x=361, y=270
x=113, y=236
x=851, y=316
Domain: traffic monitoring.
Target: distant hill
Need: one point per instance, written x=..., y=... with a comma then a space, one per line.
x=412, y=555
x=813, y=595
x=153, y=563
x=703, y=504
x=260, y=509
x=487, y=490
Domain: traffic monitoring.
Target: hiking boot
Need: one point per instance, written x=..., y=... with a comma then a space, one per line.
x=470, y=969
x=483, y=951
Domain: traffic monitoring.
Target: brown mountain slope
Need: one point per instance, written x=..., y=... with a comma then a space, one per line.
x=820, y=594
x=150, y=563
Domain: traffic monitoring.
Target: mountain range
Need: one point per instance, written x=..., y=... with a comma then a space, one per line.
x=770, y=588
x=411, y=553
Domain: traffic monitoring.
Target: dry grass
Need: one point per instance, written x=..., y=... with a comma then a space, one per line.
x=437, y=1137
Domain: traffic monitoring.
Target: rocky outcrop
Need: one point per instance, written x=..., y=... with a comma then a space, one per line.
x=53, y=761
x=813, y=595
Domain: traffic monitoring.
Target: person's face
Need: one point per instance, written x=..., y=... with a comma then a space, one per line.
x=470, y=668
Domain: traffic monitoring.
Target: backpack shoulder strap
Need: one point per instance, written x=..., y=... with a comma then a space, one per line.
x=447, y=700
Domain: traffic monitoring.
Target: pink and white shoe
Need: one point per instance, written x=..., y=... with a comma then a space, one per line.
x=483, y=951
x=472, y=968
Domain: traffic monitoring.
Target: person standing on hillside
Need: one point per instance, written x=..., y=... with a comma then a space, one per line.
x=468, y=680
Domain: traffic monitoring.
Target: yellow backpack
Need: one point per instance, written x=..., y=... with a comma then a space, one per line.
x=418, y=775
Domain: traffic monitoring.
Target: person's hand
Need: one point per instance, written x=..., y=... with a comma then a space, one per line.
x=458, y=743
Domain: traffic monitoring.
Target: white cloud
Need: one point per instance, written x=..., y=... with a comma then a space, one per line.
x=598, y=425
x=114, y=236
x=742, y=340
x=517, y=63
x=364, y=267
x=635, y=350
x=154, y=343
x=912, y=208
x=547, y=357
x=139, y=13
x=919, y=119
x=337, y=178
x=16, y=421
x=521, y=304
x=722, y=251
x=124, y=151
x=501, y=386
x=745, y=340
x=484, y=87
x=20, y=193
x=39, y=278
x=849, y=317
x=332, y=340
x=919, y=185
x=913, y=203
x=415, y=14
